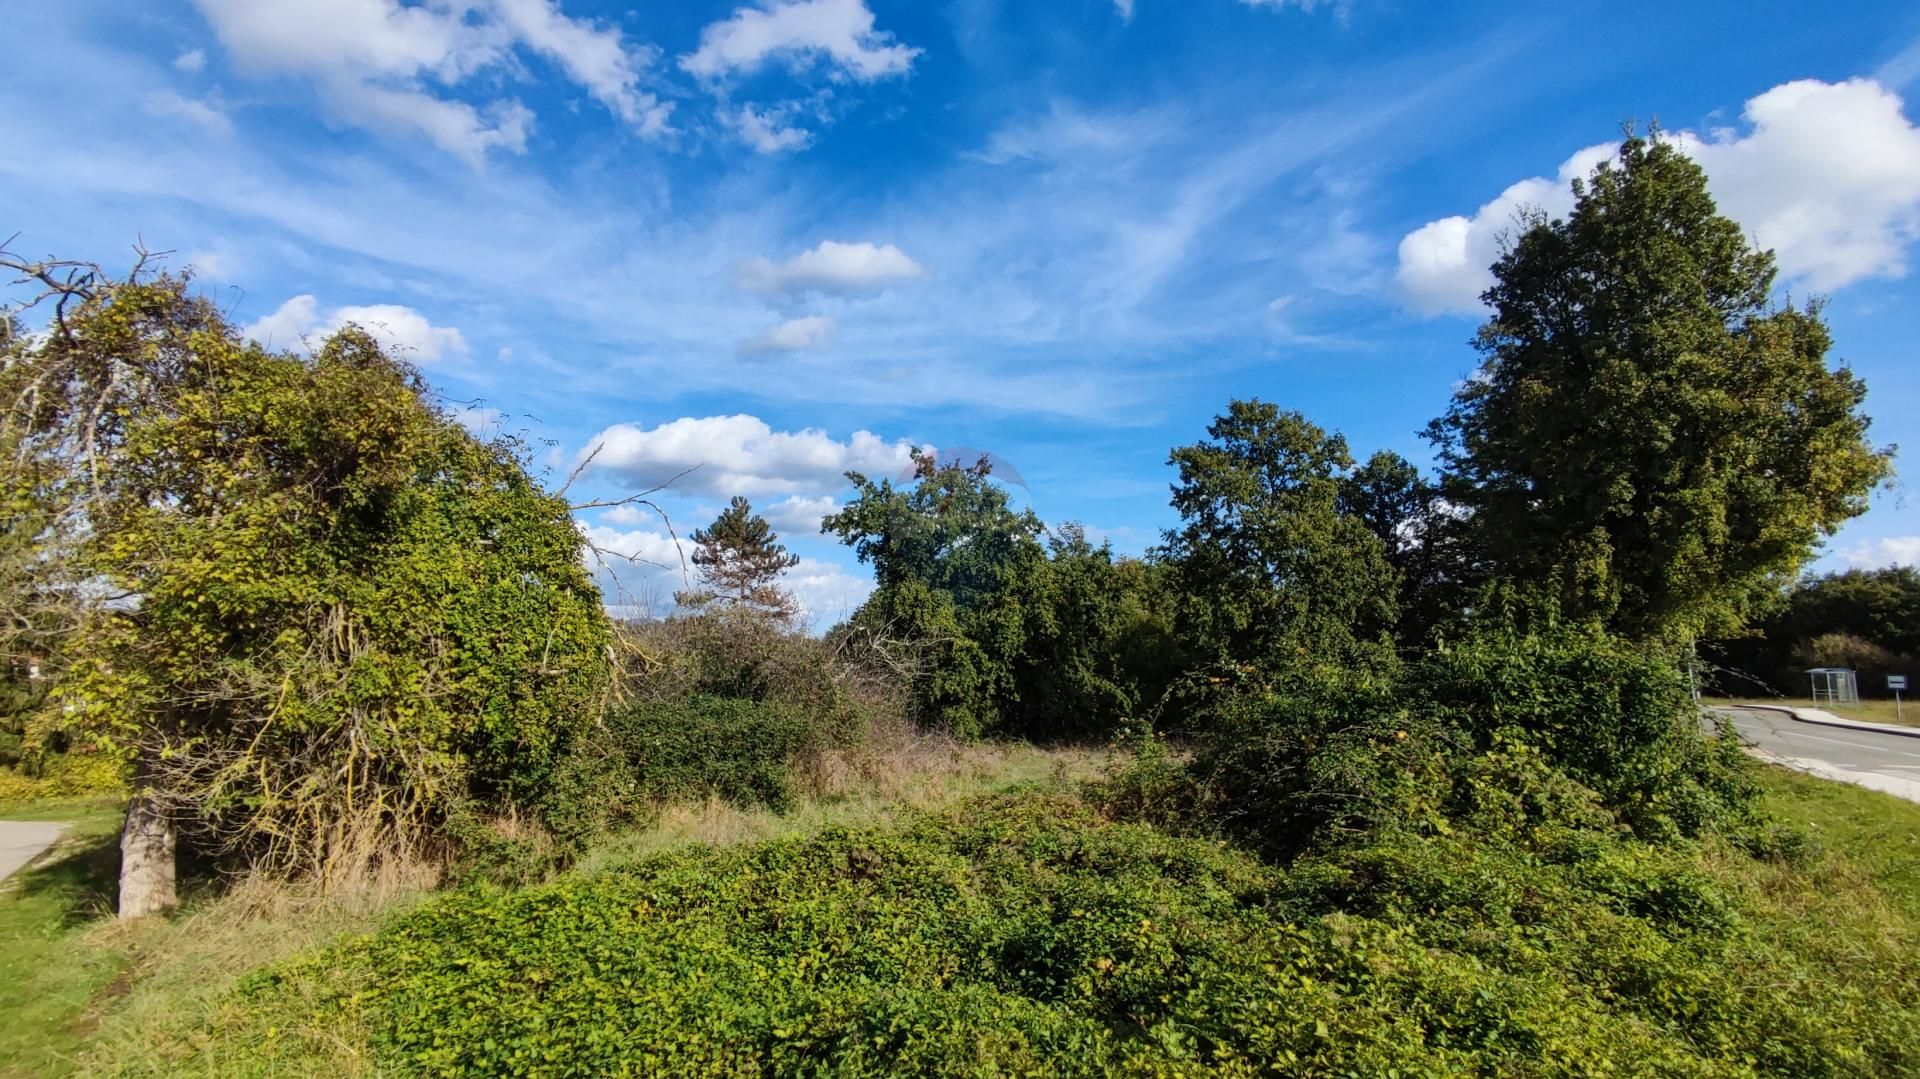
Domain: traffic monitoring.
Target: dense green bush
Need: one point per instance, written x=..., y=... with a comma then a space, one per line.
x=1614, y=716
x=1320, y=754
x=998, y=633
x=742, y=751
x=1024, y=935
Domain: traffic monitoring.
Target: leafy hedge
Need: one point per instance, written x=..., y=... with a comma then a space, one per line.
x=1025, y=935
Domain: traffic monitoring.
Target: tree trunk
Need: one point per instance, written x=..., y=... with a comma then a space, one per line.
x=146, y=855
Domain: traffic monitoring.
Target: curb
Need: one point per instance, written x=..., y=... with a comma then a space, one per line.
x=1907, y=789
x=1828, y=719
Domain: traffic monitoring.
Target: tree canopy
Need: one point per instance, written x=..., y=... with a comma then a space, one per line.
x=326, y=620
x=1272, y=573
x=1651, y=441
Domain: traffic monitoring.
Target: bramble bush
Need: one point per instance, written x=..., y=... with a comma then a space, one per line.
x=1026, y=935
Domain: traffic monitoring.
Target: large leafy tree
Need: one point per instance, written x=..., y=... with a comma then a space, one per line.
x=1272, y=573
x=948, y=554
x=1652, y=441
x=325, y=620
x=740, y=559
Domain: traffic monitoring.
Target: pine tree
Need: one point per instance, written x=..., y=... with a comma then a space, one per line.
x=740, y=560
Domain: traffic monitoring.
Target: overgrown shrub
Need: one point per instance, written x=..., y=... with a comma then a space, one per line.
x=1024, y=935
x=1614, y=716
x=654, y=750
x=1318, y=754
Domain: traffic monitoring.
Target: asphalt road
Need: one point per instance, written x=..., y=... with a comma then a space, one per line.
x=1870, y=753
x=22, y=841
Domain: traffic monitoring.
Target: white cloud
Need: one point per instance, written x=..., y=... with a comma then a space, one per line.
x=809, y=333
x=1827, y=176
x=1125, y=8
x=741, y=455
x=1885, y=551
x=827, y=591
x=1444, y=264
x=833, y=268
x=768, y=131
x=402, y=329
x=798, y=515
x=191, y=60
x=800, y=32
x=594, y=57
x=482, y=421
x=377, y=62
x=201, y=114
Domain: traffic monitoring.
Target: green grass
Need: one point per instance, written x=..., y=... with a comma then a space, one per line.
x=878, y=928
x=83, y=994
x=56, y=958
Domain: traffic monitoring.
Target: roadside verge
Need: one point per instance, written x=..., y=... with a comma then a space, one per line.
x=1828, y=719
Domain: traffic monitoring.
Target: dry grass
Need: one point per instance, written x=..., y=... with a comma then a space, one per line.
x=892, y=772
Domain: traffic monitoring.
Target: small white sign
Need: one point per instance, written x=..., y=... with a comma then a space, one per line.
x=1896, y=681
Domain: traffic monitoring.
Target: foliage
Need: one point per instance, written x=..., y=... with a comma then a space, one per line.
x=723, y=703
x=1318, y=757
x=1404, y=510
x=1024, y=935
x=1868, y=620
x=1098, y=643
x=1271, y=573
x=340, y=616
x=995, y=632
x=740, y=559
x=1612, y=715
x=1649, y=441
x=738, y=750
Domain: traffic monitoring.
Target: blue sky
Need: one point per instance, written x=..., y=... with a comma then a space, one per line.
x=782, y=239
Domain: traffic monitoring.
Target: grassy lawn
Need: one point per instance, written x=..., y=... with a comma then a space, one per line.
x=55, y=957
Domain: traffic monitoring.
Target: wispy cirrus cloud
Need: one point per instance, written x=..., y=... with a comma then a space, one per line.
x=392, y=66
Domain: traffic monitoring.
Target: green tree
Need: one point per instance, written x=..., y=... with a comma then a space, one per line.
x=1098, y=642
x=329, y=622
x=1872, y=614
x=947, y=554
x=740, y=559
x=1271, y=573
x=1404, y=510
x=1651, y=442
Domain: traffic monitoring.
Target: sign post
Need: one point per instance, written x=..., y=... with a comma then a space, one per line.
x=1897, y=683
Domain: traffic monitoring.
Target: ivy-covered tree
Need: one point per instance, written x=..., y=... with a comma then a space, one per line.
x=1271, y=573
x=325, y=621
x=740, y=559
x=1652, y=441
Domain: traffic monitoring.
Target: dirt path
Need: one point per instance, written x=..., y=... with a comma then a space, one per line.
x=22, y=841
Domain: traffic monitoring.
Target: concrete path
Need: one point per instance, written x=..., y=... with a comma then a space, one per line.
x=1875, y=759
x=22, y=841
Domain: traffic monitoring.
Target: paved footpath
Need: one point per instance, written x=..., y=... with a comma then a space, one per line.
x=22, y=841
